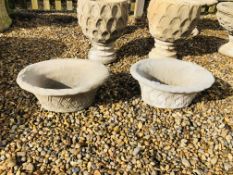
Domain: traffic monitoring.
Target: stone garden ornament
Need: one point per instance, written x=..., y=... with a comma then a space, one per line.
x=63, y=85
x=170, y=20
x=5, y=20
x=170, y=83
x=225, y=18
x=102, y=21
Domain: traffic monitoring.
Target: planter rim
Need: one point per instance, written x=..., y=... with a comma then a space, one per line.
x=88, y=86
x=226, y=8
x=209, y=2
x=171, y=88
x=193, y=2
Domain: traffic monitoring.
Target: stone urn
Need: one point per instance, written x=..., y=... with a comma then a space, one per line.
x=170, y=83
x=170, y=20
x=102, y=21
x=63, y=85
x=5, y=20
x=225, y=18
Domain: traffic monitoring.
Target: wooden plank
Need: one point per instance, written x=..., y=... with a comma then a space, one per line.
x=58, y=5
x=35, y=4
x=139, y=8
x=69, y=5
x=46, y=5
x=132, y=6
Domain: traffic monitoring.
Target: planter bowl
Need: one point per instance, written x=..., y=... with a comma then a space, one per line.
x=63, y=85
x=170, y=83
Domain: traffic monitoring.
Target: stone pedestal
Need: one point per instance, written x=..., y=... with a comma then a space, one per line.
x=103, y=53
x=163, y=49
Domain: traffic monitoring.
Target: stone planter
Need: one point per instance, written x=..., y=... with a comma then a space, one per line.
x=225, y=18
x=170, y=20
x=5, y=20
x=170, y=83
x=63, y=85
x=102, y=21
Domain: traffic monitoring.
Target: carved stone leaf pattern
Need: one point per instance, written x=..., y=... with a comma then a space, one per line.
x=67, y=103
x=165, y=99
x=225, y=21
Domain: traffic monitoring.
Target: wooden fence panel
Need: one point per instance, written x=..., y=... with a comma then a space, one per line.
x=137, y=6
x=58, y=5
x=35, y=5
x=46, y=5
x=69, y=5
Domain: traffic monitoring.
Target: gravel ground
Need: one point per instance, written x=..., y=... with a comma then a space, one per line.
x=119, y=134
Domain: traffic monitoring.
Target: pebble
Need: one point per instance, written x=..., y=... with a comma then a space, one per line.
x=185, y=162
x=214, y=160
x=29, y=167
x=75, y=170
x=136, y=150
x=97, y=172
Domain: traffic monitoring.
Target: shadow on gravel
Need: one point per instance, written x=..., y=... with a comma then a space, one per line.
x=199, y=45
x=36, y=19
x=140, y=47
x=120, y=86
x=219, y=91
x=132, y=28
x=17, y=105
x=211, y=24
x=21, y=51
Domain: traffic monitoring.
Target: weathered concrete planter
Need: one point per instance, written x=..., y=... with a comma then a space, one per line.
x=170, y=83
x=63, y=85
x=5, y=20
x=170, y=20
x=102, y=21
x=225, y=18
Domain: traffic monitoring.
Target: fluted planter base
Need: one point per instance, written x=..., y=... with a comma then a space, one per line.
x=103, y=53
x=163, y=49
x=227, y=49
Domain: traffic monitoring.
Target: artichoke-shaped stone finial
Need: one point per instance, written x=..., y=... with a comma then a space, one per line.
x=102, y=21
x=170, y=20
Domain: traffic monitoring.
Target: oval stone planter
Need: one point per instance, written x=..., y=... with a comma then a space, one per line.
x=63, y=85
x=170, y=83
x=5, y=20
